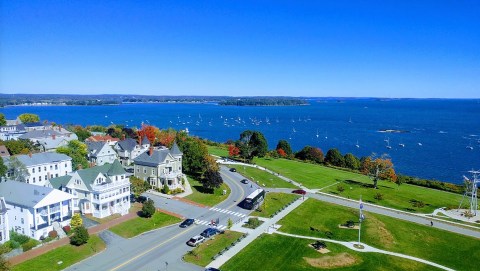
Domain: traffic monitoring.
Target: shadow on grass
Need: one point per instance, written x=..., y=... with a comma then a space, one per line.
x=203, y=190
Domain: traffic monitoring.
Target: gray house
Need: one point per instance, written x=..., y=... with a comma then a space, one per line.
x=100, y=153
x=128, y=149
x=160, y=167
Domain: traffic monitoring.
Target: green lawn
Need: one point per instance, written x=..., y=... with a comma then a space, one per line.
x=68, y=254
x=138, y=225
x=262, y=177
x=394, y=196
x=282, y=253
x=274, y=202
x=216, y=150
x=203, y=254
x=384, y=232
x=201, y=196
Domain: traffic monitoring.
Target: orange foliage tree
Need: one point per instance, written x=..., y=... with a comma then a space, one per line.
x=379, y=168
x=281, y=152
x=166, y=137
x=148, y=131
x=233, y=150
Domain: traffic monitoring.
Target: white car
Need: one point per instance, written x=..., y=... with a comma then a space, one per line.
x=196, y=240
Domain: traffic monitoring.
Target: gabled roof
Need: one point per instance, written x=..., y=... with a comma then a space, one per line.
x=3, y=207
x=157, y=157
x=95, y=147
x=29, y=195
x=175, y=150
x=40, y=134
x=4, y=151
x=127, y=144
x=33, y=124
x=116, y=169
x=102, y=138
x=145, y=140
x=59, y=182
x=49, y=143
x=40, y=158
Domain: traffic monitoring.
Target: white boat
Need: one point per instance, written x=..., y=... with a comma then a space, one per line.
x=293, y=129
x=356, y=145
x=317, y=133
x=469, y=147
x=388, y=144
x=350, y=120
x=401, y=145
x=420, y=144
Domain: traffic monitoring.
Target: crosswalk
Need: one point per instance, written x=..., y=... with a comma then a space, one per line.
x=207, y=223
x=228, y=212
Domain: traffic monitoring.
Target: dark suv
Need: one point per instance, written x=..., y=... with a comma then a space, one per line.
x=209, y=232
x=187, y=223
x=233, y=169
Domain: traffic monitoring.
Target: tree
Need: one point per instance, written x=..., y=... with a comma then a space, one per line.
x=166, y=137
x=378, y=168
x=138, y=185
x=351, y=161
x=3, y=120
x=148, y=131
x=233, y=150
x=18, y=171
x=194, y=153
x=229, y=223
x=166, y=189
x=76, y=221
x=4, y=264
x=260, y=144
x=114, y=131
x=80, y=236
x=309, y=153
x=285, y=146
x=82, y=133
x=78, y=151
x=281, y=152
x=212, y=179
x=29, y=118
x=3, y=169
x=335, y=158
x=148, y=209
x=20, y=146
x=252, y=143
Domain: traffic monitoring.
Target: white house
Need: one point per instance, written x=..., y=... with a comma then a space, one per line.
x=49, y=138
x=100, y=191
x=44, y=166
x=12, y=132
x=160, y=166
x=36, y=210
x=100, y=153
x=4, y=228
x=128, y=149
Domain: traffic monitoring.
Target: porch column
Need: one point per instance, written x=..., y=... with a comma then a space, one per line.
x=48, y=215
x=35, y=218
x=61, y=211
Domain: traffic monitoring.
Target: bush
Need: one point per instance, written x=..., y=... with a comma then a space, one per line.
x=166, y=189
x=30, y=244
x=76, y=221
x=340, y=188
x=417, y=203
x=20, y=238
x=12, y=244
x=253, y=223
x=80, y=236
x=148, y=208
x=67, y=229
x=53, y=234
x=378, y=196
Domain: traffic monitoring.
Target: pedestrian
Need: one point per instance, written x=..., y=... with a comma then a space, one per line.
x=431, y=223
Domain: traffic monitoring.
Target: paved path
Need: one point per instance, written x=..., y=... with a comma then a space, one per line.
x=367, y=248
x=265, y=227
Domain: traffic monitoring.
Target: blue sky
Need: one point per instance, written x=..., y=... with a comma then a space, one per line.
x=242, y=48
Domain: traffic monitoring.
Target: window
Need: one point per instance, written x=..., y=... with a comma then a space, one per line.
x=45, y=168
x=145, y=170
x=65, y=164
x=33, y=179
x=51, y=167
x=39, y=178
x=21, y=209
x=56, y=174
x=39, y=169
x=153, y=171
x=56, y=166
x=33, y=170
x=46, y=177
x=22, y=221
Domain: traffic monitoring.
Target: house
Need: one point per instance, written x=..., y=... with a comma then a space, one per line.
x=50, y=139
x=160, y=167
x=43, y=166
x=34, y=126
x=4, y=151
x=36, y=210
x=4, y=228
x=128, y=149
x=12, y=132
x=99, y=153
x=100, y=191
x=103, y=138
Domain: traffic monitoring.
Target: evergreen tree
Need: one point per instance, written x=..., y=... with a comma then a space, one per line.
x=148, y=208
x=351, y=161
x=285, y=146
x=80, y=236
x=335, y=158
x=76, y=221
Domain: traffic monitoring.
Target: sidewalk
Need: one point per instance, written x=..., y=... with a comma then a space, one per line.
x=253, y=234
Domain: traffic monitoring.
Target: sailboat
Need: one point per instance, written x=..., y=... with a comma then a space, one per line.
x=356, y=145
x=401, y=144
x=317, y=133
x=469, y=146
x=388, y=144
x=350, y=120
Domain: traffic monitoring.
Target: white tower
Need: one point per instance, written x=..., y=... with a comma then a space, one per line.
x=471, y=191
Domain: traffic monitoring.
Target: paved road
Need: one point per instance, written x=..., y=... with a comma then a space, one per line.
x=154, y=250
x=388, y=212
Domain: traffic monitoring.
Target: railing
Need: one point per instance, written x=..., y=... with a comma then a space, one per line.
x=171, y=175
x=115, y=184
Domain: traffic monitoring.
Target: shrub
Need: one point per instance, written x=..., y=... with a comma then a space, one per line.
x=148, y=208
x=30, y=244
x=166, y=189
x=378, y=196
x=12, y=244
x=253, y=222
x=340, y=188
x=20, y=238
x=417, y=203
x=76, y=221
x=67, y=229
x=53, y=234
x=80, y=236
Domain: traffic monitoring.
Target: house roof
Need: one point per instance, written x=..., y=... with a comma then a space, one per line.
x=95, y=147
x=127, y=144
x=102, y=138
x=41, y=158
x=29, y=195
x=40, y=134
x=175, y=150
x=4, y=151
x=59, y=182
x=3, y=207
x=145, y=140
x=157, y=157
x=49, y=143
x=33, y=124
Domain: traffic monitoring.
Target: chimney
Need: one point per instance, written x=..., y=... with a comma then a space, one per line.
x=53, y=136
x=30, y=154
x=123, y=137
x=79, y=166
x=151, y=151
x=139, y=140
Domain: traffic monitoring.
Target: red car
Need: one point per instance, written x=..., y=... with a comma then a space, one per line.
x=299, y=191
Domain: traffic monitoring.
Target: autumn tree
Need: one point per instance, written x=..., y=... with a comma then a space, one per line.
x=378, y=169
x=285, y=146
x=233, y=150
x=166, y=137
x=310, y=153
x=29, y=118
x=281, y=152
x=76, y=221
x=148, y=131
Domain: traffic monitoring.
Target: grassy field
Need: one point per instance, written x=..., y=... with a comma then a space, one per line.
x=138, y=225
x=274, y=202
x=68, y=254
x=383, y=232
x=203, y=254
x=394, y=196
x=219, y=151
x=262, y=177
x=201, y=196
x=283, y=253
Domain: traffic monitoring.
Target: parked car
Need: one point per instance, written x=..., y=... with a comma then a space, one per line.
x=132, y=198
x=245, y=181
x=196, y=240
x=212, y=269
x=299, y=191
x=187, y=222
x=209, y=232
x=233, y=169
x=142, y=199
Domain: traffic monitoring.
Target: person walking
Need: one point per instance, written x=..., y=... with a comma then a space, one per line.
x=431, y=223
